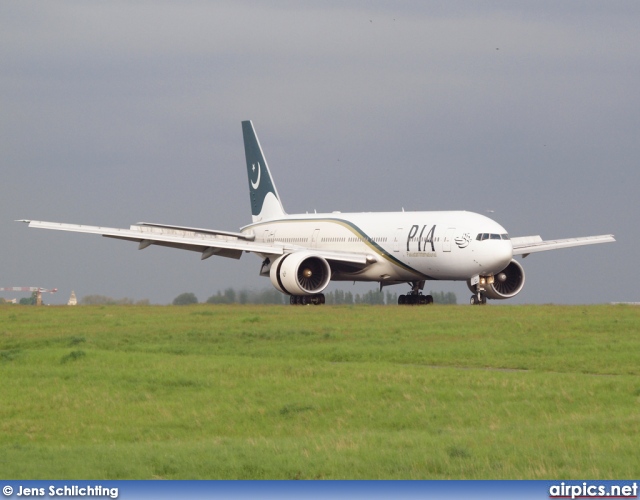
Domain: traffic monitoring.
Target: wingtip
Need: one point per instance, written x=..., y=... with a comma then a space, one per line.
x=27, y=221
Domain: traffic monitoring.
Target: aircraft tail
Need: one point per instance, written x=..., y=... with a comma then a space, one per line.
x=265, y=202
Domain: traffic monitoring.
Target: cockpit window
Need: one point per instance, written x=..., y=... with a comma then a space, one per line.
x=492, y=236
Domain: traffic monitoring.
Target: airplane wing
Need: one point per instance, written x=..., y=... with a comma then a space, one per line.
x=206, y=241
x=531, y=244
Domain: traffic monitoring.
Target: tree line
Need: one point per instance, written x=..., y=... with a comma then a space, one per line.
x=272, y=296
x=266, y=296
x=102, y=300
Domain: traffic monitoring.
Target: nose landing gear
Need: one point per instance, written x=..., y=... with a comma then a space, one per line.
x=478, y=299
x=478, y=286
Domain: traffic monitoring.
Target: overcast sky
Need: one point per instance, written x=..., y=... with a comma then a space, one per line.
x=122, y=111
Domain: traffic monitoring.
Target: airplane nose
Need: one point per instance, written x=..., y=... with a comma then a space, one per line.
x=497, y=257
x=504, y=254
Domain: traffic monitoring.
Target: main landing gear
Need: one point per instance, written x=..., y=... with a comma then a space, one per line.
x=415, y=297
x=303, y=300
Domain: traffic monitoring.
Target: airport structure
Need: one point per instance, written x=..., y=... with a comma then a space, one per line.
x=38, y=291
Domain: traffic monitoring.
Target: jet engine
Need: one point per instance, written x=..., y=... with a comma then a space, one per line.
x=300, y=273
x=506, y=284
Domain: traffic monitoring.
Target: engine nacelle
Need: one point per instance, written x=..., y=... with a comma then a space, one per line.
x=300, y=273
x=506, y=284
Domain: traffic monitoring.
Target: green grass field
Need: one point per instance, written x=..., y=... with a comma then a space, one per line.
x=342, y=392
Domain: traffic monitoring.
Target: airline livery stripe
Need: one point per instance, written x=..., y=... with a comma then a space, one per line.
x=364, y=237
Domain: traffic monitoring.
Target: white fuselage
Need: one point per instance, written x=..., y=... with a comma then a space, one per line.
x=405, y=246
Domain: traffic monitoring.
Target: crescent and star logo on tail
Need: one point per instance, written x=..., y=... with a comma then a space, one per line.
x=255, y=185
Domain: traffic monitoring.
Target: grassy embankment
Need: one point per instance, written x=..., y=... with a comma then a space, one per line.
x=320, y=392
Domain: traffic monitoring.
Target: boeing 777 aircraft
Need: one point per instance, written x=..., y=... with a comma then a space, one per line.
x=302, y=253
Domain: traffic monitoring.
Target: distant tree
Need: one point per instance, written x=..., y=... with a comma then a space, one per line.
x=185, y=299
x=348, y=298
x=273, y=296
x=444, y=298
x=126, y=301
x=103, y=300
x=451, y=298
x=95, y=300
x=230, y=296
x=392, y=298
x=266, y=296
x=373, y=297
x=30, y=301
x=218, y=298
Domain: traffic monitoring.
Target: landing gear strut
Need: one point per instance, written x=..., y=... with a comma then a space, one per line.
x=478, y=298
x=303, y=300
x=415, y=297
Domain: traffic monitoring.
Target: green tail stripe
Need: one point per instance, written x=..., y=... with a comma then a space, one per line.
x=259, y=177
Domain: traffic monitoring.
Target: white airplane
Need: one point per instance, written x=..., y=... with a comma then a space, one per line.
x=302, y=253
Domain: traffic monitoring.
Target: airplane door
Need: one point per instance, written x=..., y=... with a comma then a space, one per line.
x=448, y=236
x=396, y=240
x=314, y=238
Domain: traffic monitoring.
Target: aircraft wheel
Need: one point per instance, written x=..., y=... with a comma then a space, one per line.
x=474, y=300
x=402, y=300
x=429, y=299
